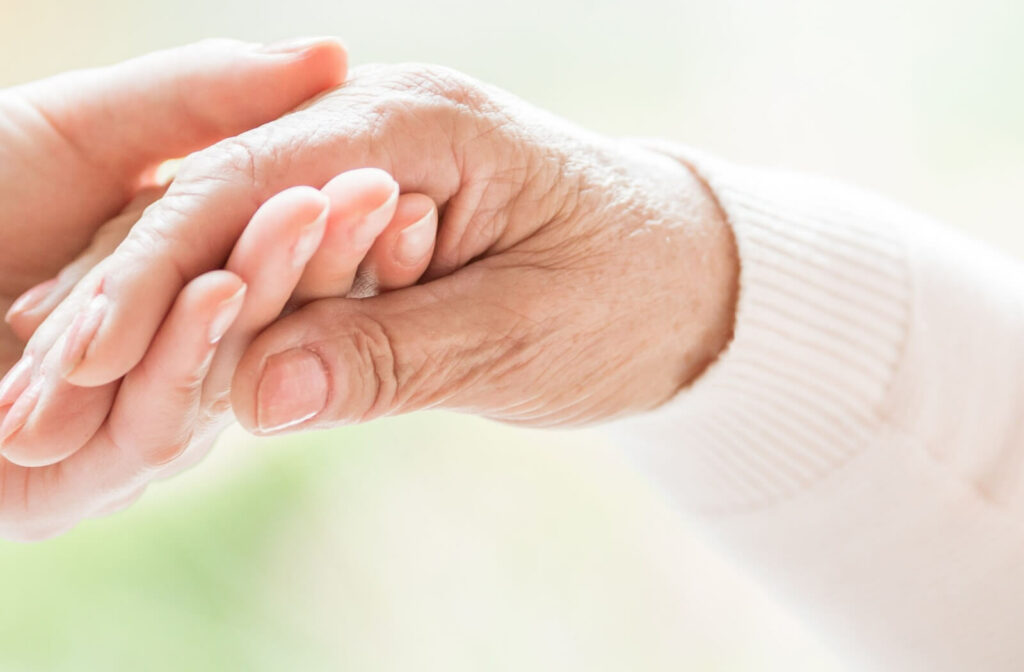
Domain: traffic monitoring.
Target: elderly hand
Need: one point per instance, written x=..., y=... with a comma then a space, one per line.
x=576, y=277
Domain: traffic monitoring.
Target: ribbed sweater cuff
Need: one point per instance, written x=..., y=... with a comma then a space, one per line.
x=822, y=316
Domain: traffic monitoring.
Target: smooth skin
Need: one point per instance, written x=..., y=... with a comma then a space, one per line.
x=144, y=432
x=167, y=411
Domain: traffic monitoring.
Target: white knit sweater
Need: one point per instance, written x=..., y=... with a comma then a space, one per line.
x=860, y=444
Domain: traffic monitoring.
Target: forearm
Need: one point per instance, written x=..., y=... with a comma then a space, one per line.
x=858, y=442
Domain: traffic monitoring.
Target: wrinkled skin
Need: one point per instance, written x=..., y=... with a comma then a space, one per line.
x=603, y=275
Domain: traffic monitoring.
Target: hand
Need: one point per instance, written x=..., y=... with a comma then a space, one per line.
x=602, y=275
x=74, y=149
x=165, y=414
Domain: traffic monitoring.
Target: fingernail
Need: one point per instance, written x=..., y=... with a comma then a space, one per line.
x=292, y=390
x=82, y=332
x=371, y=226
x=15, y=382
x=309, y=239
x=30, y=299
x=297, y=45
x=20, y=411
x=226, y=314
x=415, y=241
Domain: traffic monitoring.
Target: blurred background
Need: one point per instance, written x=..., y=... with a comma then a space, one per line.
x=438, y=542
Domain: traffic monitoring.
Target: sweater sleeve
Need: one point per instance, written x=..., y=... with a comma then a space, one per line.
x=859, y=445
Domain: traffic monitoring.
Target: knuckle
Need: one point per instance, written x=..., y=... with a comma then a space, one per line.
x=156, y=240
x=438, y=82
x=377, y=376
x=364, y=353
x=415, y=88
x=229, y=161
x=396, y=105
x=244, y=166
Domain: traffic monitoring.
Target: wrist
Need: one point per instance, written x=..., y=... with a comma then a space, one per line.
x=821, y=323
x=713, y=275
x=702, y=268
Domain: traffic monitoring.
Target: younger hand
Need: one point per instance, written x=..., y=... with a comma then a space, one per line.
x=75, y=148
x=165, y=413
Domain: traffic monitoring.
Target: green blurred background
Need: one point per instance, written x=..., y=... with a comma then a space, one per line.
x=438, y=542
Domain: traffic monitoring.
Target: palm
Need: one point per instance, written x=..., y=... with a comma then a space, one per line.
x=51, y=202
x=52, y=197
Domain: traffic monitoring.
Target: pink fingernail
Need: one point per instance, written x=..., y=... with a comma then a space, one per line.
x=414, y=241
x=21, y=410
x=15, y=382
x=297, y=46
x=309, y=239
x=363, y=233
x=292, y=390
x=30, y=299
x=82, y=332
x=226, y=314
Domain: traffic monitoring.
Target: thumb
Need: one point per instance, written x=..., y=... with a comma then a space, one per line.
x=169, y=103
x=342, y=361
